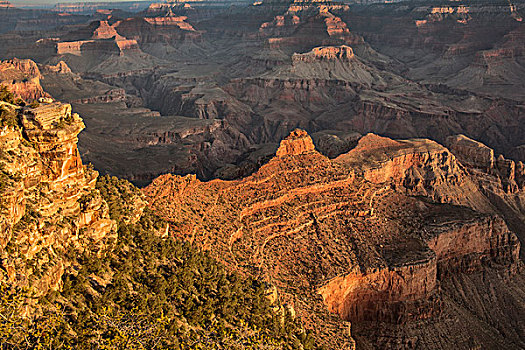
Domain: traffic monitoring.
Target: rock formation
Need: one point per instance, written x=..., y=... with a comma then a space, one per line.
x=304, y=21
x=60, y=68
x=266, y=69
x=297, y=143
x=352, y=231
x=97, y=36
x=50, y=207
x=178, y=21
x=22, y=77
x=501, y=180
x=411, y=240
x=325, y=53
x=416, y=167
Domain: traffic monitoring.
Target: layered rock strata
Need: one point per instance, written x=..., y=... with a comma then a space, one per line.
x=50, y=207
x=352, y=231
x=22, y=77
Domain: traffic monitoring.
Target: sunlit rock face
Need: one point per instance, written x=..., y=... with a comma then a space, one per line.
x=297, y=143
x=412, y=241
x=374, y=233
x=22, y=77
x=397, y=70
x=50, y=207
x=325, y=53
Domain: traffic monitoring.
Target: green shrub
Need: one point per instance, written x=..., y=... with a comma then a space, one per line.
x=8, y=117
x=6, y=95
x=150, y=292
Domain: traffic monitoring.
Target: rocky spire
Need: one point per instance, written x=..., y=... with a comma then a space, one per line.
x=298, y=142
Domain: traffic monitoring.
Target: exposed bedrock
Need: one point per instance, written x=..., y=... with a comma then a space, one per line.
x=376, y=232
x=464, y=247
x=416, y=167
x=501, y=180
x=49, y=205
x=409, y=291
x=395, y=294
x=22, y=77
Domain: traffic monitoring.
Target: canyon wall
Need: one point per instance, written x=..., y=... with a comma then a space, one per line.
x=22, y=77
x=375, y=233
x=50, y=207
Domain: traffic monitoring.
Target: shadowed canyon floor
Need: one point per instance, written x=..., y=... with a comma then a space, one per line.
x=184, y=89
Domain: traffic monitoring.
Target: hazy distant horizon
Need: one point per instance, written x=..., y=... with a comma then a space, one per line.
x=52, y=2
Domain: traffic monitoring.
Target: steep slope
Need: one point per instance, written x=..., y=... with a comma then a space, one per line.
x=474, y=46
x=146, y=144
x=501, y=180
x=304, y=23
x=83, y=264
x=50, y=207
x=246, y=76
x=22, y=77
x=351, y=231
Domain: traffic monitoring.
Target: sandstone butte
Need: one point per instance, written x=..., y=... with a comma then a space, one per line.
x=49, y=206
x=298, y=26
x=328, y=53
x=393, y=244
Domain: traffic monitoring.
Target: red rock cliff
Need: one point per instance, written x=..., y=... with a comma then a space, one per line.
x=350, y=231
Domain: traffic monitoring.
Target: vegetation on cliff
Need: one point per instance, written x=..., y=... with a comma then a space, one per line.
x=149, y=291
x=68, y=280
x=8, y=117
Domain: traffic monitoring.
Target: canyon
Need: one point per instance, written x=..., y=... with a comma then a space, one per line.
x=363, y=160
x=380, y=236
x=256, y=73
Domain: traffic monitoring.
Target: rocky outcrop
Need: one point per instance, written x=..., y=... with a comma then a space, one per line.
x=162, y=8
x=280, y=25
x=397, y=294
x=437, y=14
x=416, y=167
x=299, y=142
x=466, y=246
x=472, y=153
x=501, y=180
x=178, y=21
x=325, y=53
x=171, y=29
x=78, y=48
x=112, y=96
x=374, y=232
x=50, y=207
x=22, y=77
x=60, y=68
x=103, y=30
x=100, y=38
x=478, y=156
x=302, y=22
x=70, y=47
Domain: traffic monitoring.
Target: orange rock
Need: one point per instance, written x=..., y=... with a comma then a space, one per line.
x=22, y=77
x=299, y=142
x=54, y=189
x=348, y=229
